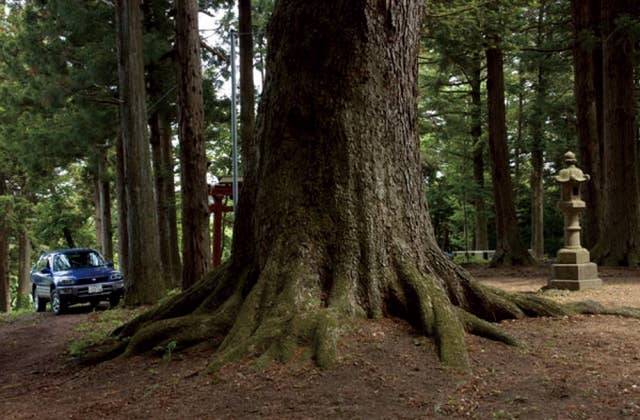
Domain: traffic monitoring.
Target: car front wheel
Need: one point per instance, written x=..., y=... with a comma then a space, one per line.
x=39, y=304
x=58, y=305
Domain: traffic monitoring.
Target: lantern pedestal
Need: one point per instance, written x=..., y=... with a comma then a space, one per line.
x=573, y=269
x=575, y=276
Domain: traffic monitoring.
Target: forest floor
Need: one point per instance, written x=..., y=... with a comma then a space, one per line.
x=583, y=367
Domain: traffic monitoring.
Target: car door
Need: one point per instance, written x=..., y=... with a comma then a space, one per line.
x=42, y=276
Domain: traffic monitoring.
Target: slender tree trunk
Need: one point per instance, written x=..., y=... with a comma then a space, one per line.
x=104, y=204
x=165, y=186
x=537, y=196
x=509, y=246
x=587, y=110
x=123, y=234
x=24, y=270
x=68, y=237
x=144, y=285
x=97, y=210
x=519, y=132
x=247, y=90
x=5, y=298
x=161, y=82
x=482, y=219
x=193, y=159
x=537, y=150
x=619, y=242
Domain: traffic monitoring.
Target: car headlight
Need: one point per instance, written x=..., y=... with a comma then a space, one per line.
x=66, y=281
x=116, y=276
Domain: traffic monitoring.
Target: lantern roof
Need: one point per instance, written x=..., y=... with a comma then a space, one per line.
x=571, y=172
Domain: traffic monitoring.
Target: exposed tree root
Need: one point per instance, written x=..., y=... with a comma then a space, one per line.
x=437, y=316
x=480, y=327
x=268, y=317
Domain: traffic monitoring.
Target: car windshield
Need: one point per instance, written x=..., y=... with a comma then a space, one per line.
x=80, y=259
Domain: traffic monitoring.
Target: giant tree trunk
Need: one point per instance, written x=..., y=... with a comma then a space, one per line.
x=619, y=242
x=510, y=249
x=585, y=47
x=482, y=219
x=334, y=224
x=143, y=283
x=193, y=159
x=24, y=270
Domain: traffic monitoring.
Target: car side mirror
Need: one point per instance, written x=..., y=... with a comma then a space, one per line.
x=45, y=270
x=109, y=264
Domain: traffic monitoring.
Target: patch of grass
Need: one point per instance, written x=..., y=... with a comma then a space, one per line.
x=98, y=327
x=17, y=315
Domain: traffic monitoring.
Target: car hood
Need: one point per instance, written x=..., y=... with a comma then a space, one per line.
x=82, y=273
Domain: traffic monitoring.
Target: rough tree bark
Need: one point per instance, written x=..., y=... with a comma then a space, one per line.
x=193, y=159
x=510, y=249
x=619, y=241
x=334, y=225
x=585, y=15
x=143, y=284
x=482, y=219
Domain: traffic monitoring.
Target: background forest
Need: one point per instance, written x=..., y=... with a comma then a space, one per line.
x=563, y=72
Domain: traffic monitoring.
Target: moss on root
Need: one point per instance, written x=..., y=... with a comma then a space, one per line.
x=437, y=316
x=269, y=317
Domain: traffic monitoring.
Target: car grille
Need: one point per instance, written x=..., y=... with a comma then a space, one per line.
x=90, y=280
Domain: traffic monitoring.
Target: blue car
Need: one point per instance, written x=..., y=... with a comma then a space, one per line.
x=70, y=276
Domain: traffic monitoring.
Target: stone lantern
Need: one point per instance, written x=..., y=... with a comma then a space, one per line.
x=573, y=269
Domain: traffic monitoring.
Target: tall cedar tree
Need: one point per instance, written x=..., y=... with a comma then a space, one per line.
x=103, y=193
x=334, y=224
x=510, y=249
x=5, y=302
x=482, y=218
x=161, y=81
x=144, y=285
x=537, y=120
x=587, y=75
x=193, y=159
x=619, y=241
x=24, y=270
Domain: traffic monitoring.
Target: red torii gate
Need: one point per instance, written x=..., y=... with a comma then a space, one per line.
x=218, y=195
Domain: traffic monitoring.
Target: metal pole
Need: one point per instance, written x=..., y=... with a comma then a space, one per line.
x=234, y=120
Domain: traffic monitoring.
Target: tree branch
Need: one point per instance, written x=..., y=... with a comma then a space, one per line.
x=218, y=52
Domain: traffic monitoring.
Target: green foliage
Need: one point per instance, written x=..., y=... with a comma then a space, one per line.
x=536, y=42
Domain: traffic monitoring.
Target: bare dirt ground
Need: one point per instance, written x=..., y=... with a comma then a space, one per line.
x=584, y=367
